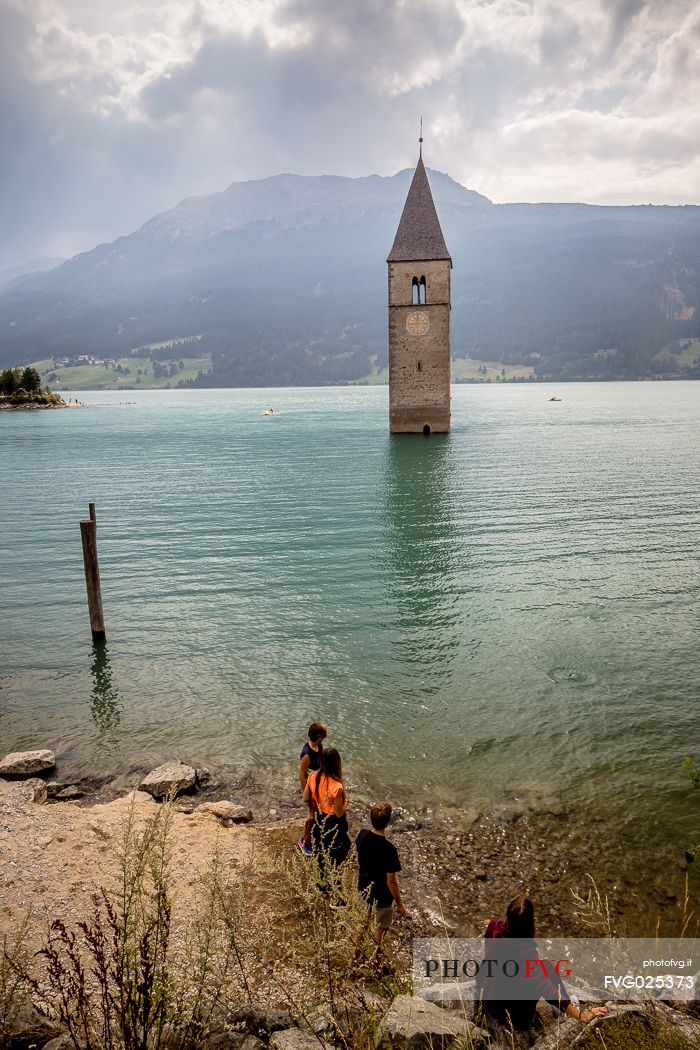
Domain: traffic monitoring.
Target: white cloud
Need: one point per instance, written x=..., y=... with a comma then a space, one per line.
x=115, y=111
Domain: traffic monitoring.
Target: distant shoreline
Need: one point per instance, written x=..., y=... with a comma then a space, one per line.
x=8, y=405
x=354, y=383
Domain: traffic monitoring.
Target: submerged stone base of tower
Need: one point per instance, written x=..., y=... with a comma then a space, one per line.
x=417, y=419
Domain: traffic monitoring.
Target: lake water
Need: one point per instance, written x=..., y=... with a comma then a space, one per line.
x=505, y=612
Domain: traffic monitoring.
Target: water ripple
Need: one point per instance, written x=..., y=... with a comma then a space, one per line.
x=512, y=604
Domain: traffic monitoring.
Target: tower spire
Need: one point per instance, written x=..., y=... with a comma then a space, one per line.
x=420, y=140
x=419, y=237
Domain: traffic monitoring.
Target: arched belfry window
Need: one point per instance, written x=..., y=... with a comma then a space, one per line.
x=422, y=290
x=415, y=291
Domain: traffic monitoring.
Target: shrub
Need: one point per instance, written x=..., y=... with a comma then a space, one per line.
x=123, y=978
x=13, y=963
x=635, y=1031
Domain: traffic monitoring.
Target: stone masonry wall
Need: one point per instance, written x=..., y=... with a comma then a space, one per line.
x=437, y=278
x=419, y=363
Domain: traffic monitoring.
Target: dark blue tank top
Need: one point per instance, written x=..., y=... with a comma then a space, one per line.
x=314, y=756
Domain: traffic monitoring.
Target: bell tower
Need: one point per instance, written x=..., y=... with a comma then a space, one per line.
x=419, y=316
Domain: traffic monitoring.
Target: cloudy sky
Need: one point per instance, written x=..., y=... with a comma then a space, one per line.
x=112, y=111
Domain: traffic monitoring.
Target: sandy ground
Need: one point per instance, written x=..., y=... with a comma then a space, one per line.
x=53, y=857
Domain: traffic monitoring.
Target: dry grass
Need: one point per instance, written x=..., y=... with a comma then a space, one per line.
x=14, y=960
x=636, y=1031
x=135, y=972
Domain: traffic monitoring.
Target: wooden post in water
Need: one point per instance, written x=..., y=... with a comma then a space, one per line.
x=88, y=535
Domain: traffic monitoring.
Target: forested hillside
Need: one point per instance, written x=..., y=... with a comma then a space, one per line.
x=283, y=281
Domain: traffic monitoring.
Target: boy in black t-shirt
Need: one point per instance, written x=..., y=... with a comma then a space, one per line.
x=379, y=864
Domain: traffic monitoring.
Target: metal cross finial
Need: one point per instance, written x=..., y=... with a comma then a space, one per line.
x=420, y=140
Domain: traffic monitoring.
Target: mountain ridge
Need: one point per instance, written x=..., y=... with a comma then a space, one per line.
x=284, y=279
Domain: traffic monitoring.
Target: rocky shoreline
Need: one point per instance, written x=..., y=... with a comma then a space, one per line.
x=459, y=871
x=31, y=405
x=57, y=843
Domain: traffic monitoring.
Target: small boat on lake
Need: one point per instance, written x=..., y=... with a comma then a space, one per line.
x=269, y=412
x=555, y=398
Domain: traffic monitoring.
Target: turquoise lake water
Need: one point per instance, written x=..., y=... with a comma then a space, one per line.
x=508, y=610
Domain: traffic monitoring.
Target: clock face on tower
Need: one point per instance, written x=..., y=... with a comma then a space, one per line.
x=417, y=323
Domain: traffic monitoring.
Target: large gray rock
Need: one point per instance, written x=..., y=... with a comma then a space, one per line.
x=255, y=1020
x=352, y=1013
x=22, y=793
x=62, y=1042
x=686, y=1014
x=72, y=792
x=297, y=1039
x=460, y=995
x=169, y=780
x=366, y=999
x=27, y=763
x=226, y=812
x=27, y=1027
x=561, y=1033
x=227, y=1040
x=411, y=1022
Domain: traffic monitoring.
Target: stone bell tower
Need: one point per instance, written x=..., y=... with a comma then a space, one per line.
x=419, y=316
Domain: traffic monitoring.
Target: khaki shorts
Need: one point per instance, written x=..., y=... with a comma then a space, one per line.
x=384, y=916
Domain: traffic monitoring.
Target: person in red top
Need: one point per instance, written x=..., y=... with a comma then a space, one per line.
x=519, y=1014
x=325, y=795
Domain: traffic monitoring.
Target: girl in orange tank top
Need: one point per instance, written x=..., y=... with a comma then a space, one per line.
x=324, y=790
x=330, y=838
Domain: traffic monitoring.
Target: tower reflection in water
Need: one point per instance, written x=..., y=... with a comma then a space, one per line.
x=422, y=547
x=105, y=701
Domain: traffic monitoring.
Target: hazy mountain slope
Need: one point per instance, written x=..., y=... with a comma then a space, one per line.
x=32, y=266
x=285, y=280
x=282, y=196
